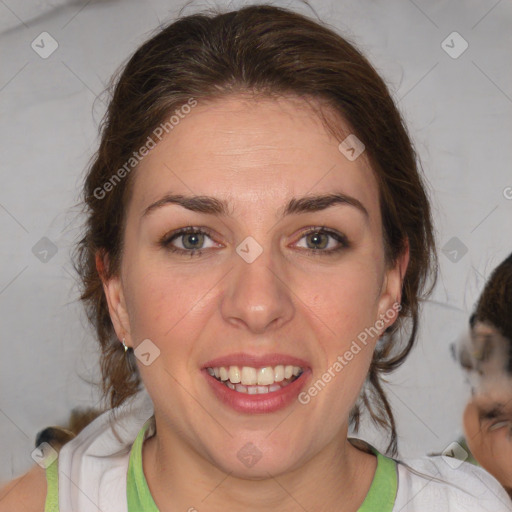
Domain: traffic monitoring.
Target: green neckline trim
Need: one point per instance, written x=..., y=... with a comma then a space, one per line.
x=137, y=490
x=52, y=487
x=381, y=495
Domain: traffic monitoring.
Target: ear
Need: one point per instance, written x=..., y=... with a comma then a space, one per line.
x=391, y=293
x=114, y=293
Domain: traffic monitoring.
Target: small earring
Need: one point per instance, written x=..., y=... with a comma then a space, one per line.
x=124, y=345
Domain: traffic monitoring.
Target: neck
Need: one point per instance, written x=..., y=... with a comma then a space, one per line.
x=180, y=478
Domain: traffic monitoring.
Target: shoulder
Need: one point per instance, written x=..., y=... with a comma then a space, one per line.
x=440, y=481
x=27, y=492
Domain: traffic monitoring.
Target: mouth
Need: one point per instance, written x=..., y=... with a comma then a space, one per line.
x=256, y=381
x=256, y=384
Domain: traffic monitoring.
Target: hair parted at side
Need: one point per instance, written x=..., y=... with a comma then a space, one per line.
x=269, y=51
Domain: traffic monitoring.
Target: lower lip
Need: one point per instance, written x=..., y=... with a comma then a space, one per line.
x=259, y=403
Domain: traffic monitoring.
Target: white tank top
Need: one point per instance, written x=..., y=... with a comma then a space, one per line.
x=93, y=468
x=93, y=465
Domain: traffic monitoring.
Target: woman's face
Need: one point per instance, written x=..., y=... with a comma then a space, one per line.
x=262, y=292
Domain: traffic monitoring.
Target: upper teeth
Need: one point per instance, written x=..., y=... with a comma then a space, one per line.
x=249, y=376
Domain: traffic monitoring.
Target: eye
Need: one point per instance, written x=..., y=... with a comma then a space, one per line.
x=317, y=241
x=192, y=240
x=500, y=424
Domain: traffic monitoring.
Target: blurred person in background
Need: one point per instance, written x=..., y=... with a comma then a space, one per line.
x=486, y=355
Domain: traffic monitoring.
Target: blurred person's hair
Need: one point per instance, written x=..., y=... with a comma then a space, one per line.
x=489, y=351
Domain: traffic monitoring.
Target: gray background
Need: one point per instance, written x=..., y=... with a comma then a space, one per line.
x=459, y=114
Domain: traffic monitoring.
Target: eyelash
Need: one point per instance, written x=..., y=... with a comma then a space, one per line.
x=167, y=240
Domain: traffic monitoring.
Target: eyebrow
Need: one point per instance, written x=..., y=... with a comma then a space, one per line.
x=214, y=206
x=492, y=412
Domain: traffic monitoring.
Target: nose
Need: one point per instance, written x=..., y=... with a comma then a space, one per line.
x=257, y=295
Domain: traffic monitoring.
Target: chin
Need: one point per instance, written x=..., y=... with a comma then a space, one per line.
x=249, y=462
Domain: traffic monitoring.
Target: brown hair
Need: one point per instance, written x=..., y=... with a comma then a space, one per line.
x=267, y=50
x=494, y=308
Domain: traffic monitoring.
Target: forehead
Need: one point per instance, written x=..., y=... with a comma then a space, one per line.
x=251, y=150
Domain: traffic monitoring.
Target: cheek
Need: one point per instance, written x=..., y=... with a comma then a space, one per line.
x=171, y=306
x=344, y=313
x=166, y=309
x=160, y=301
x=346, y=298
x=153, y=301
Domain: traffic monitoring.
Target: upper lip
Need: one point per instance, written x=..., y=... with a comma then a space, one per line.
x=256, y=361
